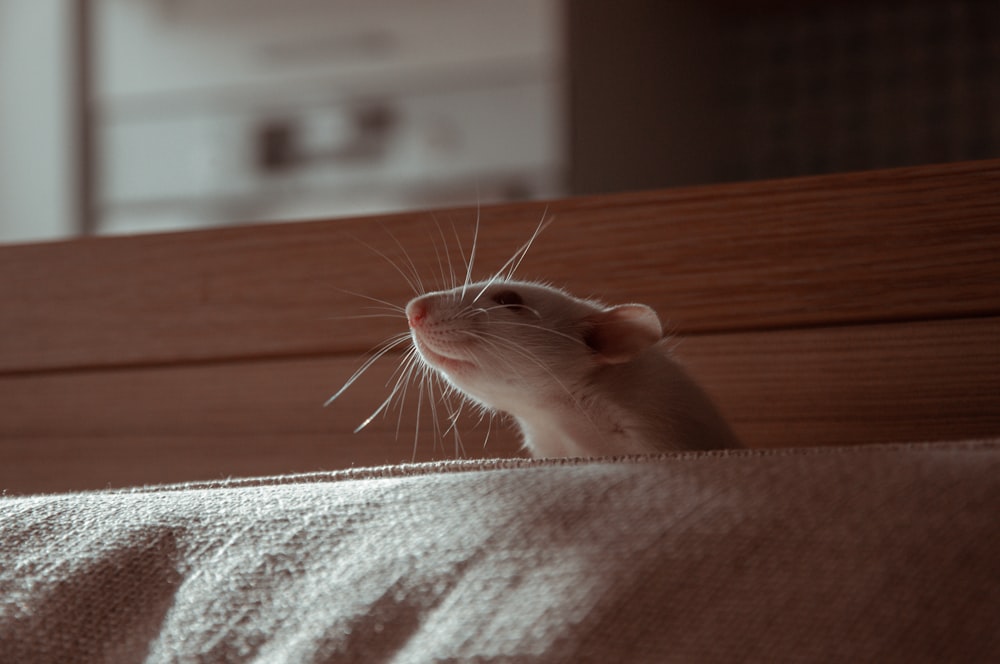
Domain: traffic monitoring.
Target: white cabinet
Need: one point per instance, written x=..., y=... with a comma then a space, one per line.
x=220, y=111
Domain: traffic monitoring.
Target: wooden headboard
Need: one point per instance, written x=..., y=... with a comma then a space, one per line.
x=843, y=309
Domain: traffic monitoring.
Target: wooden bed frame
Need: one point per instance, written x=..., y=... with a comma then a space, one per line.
x=845, y=309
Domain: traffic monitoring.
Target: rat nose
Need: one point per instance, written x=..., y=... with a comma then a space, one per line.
x=416, y=312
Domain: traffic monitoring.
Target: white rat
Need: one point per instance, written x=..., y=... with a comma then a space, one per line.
x=579, y=378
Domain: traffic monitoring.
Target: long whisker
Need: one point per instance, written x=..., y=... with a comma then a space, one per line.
x=388, y=345
x=404, y=380
x=413, y=365
x=521, y=252
x=458, y=243
x=405, y=361
x=416, y=430
x=432, y=407
x=368, y=420
x=392, y=307
x=489, y=429
x=475, y=244
x=453, y=415
x=383, y=308
x=409, y=281
x=440, y=262
x=409, y=261
x=394, y=314
x=456, y=434
x=405, y=370
x=515, y=259
x=471, y=312
x=541, y=328
x=447, y=254
x=542, y=225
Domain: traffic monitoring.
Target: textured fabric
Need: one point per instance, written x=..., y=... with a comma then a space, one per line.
x=858, y=554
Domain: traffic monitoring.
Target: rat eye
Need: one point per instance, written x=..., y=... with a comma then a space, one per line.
x=508, y=298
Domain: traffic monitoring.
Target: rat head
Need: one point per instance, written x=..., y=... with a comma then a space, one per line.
x=511, y=344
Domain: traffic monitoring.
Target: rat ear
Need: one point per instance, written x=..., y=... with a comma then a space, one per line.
x=620, y=333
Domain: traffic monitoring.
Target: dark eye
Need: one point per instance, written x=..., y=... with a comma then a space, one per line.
x=508, y=298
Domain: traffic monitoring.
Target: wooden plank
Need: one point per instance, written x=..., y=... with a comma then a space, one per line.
x=42, y=464
x=273, y=398
x=123, y=427
x=915, y=243
x=906, y=382
x=848, y=385
x=79, y=463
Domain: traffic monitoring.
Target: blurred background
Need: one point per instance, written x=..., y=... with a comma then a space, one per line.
x=130, y=116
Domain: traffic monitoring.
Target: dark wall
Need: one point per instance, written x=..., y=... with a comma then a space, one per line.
x=675, y=93
x=644, y=95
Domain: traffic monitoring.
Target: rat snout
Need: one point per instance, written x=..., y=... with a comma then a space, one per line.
x=416, y=312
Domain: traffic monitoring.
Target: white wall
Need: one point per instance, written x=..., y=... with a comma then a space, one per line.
x=36, y=182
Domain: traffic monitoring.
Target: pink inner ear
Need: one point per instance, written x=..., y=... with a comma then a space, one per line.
x=620, y=333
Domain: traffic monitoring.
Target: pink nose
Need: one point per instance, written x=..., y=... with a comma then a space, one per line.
x=416, y=311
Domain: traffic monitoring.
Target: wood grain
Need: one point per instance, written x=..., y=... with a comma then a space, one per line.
x=904, y=244
x=937, y=380
x=901, y=382
x=81, y=463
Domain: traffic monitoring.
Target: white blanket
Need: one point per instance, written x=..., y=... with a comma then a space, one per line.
x=854, y=554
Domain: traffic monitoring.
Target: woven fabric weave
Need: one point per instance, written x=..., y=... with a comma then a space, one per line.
x=852, y=554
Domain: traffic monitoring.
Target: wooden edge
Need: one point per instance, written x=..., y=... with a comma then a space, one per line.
x=903, y=244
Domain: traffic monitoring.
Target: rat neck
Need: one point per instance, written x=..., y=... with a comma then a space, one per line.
x=548, y=436
x=647, y=405
x=585, y=425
